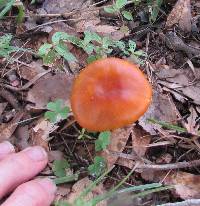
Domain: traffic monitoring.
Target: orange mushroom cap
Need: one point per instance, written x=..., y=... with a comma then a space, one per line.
x=110, y=93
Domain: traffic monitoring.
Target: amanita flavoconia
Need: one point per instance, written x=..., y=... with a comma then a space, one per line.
x=110, y=93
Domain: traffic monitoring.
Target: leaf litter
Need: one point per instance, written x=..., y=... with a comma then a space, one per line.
x=164, y=150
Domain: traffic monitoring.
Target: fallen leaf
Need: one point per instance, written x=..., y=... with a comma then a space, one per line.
x=160, y=109
x=140, y=141
x=187, y=185
x=118, y=141
x=31, y=70
x=191, y=125
x=62, y=6
x=181, y=14
x=179, y=81
x=22, y=137
x=40, y=133
x=78, y=188
x=7, y=129
x=88, y=20
x=50, y=88
x=55, y=155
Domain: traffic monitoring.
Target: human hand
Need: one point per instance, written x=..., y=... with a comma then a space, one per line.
x=18, y=168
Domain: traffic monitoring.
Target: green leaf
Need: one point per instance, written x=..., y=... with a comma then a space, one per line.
x=91, y=59
x=89, y=48
x=50, y=57
x=140, y=53
x=63, y=51
x=21, y=13
x=44, y=49
x=110, y=9
x=121, y=3
x=59, y=167
x=103, y=141
x=58, y=36
x=57, y=111
x=50, y=116
x=98, y=168
x=121, y=45
x=155, y=10
x=91, y=36
x=5, y=41
x=61, y=203
x=127, y=15
x=7, y=7
x=132, y=46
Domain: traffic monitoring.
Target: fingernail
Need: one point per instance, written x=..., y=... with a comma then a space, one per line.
x=48, y=185
x=36, y=153
x=6, y=148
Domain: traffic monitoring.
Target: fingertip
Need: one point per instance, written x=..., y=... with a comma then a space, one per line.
x=34, y=193
x=6, y=148
x=48, y=185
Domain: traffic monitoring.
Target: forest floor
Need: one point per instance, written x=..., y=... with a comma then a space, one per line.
x=44, y=44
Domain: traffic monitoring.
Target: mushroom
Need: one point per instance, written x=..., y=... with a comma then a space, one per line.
x=110, y=93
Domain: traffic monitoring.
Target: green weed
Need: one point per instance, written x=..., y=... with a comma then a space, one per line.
x=56, y=111
x=94, y=45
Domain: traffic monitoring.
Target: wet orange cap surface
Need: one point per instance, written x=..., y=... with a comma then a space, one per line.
x=110, y=93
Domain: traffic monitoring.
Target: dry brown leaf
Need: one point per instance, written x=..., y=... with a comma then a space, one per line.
x=179, y=81
x=55, y=155
x=126, y=162
x=140, y=141
x=81, y=185
x=160, y=109
x=191, y=125
x=22, y=137
x=50, y=88
x=181, y=14
x=88, y=20
x=7, y=129
x=118, y=140
x=110, y=31
x=2, y=107
x=30, y=71
x=187, y=186
x=40, y=133
x=62, y=6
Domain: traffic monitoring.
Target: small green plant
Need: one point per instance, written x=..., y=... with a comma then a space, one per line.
x=59, y=167
x=140, y=191
x=6, y=48
x=98, y=167
x=136, y=54
x=57, y=111
x=103, y=141
x=6, y=5
x=154, y=7
x=94, y=45
x=118, y=7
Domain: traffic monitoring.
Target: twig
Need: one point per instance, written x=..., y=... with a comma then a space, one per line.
x=26, y=86
x=10, y=98
x=191, y=202
x=178, y=165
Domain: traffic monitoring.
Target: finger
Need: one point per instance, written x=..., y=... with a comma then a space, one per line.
x=6, y=148
x=21, y=167
x=33, y=193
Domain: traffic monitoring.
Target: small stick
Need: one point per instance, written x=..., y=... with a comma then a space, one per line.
x=10, y=98
x=178, y=165
x=191, y=202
